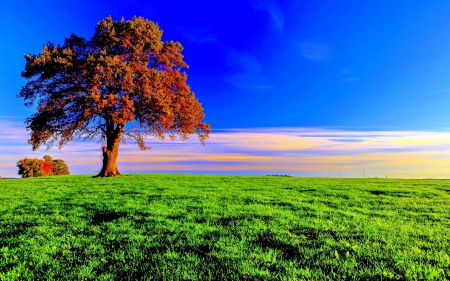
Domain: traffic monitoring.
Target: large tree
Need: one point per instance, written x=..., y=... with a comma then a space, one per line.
x=125, y=82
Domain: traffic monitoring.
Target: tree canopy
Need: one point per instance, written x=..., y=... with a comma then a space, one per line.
x=29, y=167
x=124, y=82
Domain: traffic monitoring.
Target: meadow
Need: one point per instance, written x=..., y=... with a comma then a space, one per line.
x=198, y=227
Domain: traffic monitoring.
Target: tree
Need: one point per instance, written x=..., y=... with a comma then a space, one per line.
x=60, y=168
x=30, y=167
x=47, y=166
x=48, y=158
x=123, y=83
x=37, y=167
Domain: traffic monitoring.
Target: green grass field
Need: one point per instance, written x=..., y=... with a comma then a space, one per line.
x=196, y=227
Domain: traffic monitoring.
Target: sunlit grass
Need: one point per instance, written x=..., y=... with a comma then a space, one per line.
x=195, y=227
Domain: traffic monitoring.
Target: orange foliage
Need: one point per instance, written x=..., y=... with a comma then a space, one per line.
x=36, y=167
x=124, y=82
x=47, y=168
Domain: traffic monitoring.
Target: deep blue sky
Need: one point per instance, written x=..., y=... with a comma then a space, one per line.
x=310, y=88
x=353, y=64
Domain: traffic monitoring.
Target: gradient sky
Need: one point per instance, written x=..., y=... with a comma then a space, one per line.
x=310, y=88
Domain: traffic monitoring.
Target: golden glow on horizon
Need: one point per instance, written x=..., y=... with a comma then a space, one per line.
x=422, y=140
x=264, y=141
x=273, y=151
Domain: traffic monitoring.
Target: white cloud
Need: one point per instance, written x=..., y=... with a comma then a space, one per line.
x=275, y=12
x=198, y=35
x=12, y=131
x=315, y=51
x=350, y=79
x=446, y=90
x=346, y=71
x=244, y=61
x=294, y=151
x=250, y=75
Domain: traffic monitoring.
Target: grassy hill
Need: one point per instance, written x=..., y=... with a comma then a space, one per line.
x=196, y=227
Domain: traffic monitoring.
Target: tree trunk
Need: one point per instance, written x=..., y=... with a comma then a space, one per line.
x=110, y=154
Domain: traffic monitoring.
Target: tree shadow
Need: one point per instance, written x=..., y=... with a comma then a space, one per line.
x=107, y=216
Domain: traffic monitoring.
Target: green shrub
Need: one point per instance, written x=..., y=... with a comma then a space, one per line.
x=60, y=167
x=30, y=167
x=36, y=167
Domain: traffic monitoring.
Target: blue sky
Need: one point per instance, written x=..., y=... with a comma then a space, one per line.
x=356, y=66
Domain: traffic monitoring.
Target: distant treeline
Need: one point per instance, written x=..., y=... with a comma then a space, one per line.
x=29, y=167
x=277, y=176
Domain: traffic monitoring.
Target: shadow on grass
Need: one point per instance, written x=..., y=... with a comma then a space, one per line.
x=107, y=216
x=130, y=192
x=276, y=203
x=304, y=190
x=154, y=197
x=391, y=193
x=11, y=231
x=268, y=239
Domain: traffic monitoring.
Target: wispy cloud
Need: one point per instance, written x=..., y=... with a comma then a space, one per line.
x=275, y=12
x=294, y=151
x=347, y=72
x=198, y=35
x=446, y=90
x=349, y=79
x=315, y=51
x=12, y=131
x=249, y=72
x=245, y=62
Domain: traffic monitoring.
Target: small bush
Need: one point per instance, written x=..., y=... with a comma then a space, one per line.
x=60, y=167
x=30, y=167
x=36, y=167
